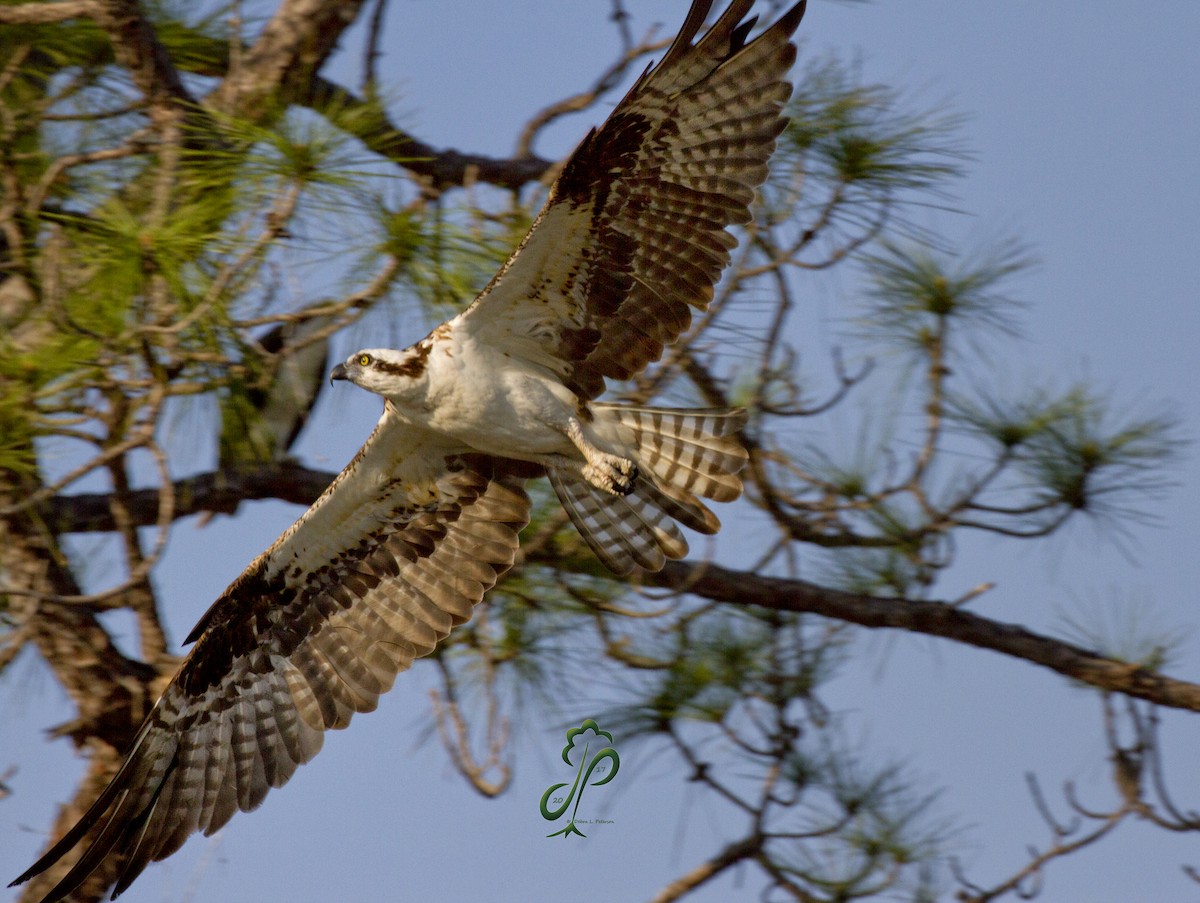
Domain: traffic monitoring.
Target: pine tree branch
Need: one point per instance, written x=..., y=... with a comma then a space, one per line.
x=287, y=54
x=220, y=492
x=47, y=13
x=370, y=123
x=283, y=64
x=730, y=855
x=100, y=680
x=111, y=692
x=283, y=60
x=442, y=168
x=224, y=491
x=931, y=618
x=136, y=47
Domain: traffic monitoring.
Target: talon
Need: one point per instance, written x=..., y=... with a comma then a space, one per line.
x=626, y=480
x=613, y=474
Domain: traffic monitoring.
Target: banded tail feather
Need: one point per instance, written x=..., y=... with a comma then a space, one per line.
x=682, y=456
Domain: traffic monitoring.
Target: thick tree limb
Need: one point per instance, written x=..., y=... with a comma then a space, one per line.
x=96, y=675
x=288, y=53
x=278, y=66
x=111, y=692
x=282, y=67
x=224, y=492
x=442, y=168
x=371, y=124
x=47, y=13
x=220, y=492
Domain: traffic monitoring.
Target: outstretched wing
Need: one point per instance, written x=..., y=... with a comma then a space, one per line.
x=633, y=234
x=395, y=553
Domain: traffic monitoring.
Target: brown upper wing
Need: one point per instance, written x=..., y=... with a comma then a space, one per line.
x=633, y=234
x=397, y=551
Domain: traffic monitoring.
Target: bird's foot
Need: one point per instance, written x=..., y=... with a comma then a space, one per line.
x=611, y=473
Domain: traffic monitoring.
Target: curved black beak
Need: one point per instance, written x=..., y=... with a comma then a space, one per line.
x=338, y=372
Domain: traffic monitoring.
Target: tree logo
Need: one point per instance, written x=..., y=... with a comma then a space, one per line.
x=604, y=763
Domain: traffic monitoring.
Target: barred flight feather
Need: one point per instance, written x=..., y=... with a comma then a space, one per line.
x=287, y=653
x=633, y=235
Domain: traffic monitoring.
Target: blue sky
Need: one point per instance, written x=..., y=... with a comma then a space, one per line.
x=1085, y=129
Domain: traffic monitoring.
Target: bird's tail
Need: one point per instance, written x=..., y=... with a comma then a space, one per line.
x=682, y=456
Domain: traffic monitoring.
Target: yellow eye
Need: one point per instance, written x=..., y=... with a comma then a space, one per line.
x=364, y=360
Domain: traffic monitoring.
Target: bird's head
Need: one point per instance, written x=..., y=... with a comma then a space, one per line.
x=384, y=371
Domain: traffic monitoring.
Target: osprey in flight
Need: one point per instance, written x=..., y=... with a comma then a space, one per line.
x=421, y=524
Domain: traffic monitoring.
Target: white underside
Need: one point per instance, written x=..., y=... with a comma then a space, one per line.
x=502, y=405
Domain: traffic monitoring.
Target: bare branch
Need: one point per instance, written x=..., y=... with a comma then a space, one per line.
x=584, y=99
x=1026, y=883
x=732, y=854
x=370, y=81
x=456, y=735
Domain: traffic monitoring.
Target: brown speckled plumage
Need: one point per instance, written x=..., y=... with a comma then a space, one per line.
x=638, y=216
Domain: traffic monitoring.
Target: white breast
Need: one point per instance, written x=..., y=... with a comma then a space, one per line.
x=495, y=403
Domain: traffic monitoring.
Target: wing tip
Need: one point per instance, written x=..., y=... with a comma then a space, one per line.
x=790, y=20
x=732, y=24
x=692, y=23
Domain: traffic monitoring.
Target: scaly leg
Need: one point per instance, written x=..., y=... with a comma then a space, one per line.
x=612, y=473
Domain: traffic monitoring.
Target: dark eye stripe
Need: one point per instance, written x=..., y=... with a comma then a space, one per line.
x=413, y=367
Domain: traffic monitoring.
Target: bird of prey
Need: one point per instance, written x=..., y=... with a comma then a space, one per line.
x=425, y=518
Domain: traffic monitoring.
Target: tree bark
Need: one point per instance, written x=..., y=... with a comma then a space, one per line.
x=111, y=692
x=285, y=58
